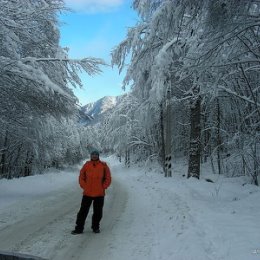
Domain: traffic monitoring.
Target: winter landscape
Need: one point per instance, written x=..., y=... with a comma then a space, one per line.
x=146, y=216
x=182, y=144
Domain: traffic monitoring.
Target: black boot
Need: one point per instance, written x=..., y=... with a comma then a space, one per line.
x=76, y=232
x=96, y=230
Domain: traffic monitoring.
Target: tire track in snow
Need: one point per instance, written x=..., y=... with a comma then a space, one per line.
x=20, y=234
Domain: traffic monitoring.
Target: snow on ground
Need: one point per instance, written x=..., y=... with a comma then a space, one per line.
x=146, y=216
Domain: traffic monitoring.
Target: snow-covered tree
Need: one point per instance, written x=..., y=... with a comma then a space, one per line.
x=36, y=102
x=207, y=54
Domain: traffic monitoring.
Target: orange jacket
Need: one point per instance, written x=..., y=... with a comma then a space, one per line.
x=94, y=178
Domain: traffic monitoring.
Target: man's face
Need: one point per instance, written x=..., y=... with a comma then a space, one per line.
x=94, y=157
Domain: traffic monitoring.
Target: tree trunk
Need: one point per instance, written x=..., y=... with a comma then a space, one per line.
x=162, y=150
x=256, y=165
x=168, y=136
x=194, y=156
x=219, y=141
x=127, y=158
x=3, y=157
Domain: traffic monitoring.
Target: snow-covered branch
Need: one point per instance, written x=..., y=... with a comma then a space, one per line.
x=137, y=141
x=247, y=99
x=90, y=65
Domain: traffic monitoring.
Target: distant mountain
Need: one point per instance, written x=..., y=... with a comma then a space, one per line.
x=100, y=106
x=93, y=112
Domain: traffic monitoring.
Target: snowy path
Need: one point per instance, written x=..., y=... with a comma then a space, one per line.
x=34, y=223
x=146, y=216
x=49, y=223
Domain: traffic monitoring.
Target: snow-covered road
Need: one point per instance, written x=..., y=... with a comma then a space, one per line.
x=31, y=225
x=146, y=216
x=42, y=226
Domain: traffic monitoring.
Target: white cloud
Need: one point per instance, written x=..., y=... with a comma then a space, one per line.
x=93, y=6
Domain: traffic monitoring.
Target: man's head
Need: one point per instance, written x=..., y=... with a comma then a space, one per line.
x=94, y=155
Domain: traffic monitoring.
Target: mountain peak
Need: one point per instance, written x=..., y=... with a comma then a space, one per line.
x=96, y=109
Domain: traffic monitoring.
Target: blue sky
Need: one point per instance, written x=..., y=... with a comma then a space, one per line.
x=93, y=30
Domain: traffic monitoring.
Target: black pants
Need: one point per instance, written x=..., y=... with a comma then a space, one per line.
x=98, y=203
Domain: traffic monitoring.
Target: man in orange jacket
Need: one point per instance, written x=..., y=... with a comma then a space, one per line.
x=94, y=178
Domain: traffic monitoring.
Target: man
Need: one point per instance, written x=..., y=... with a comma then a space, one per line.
x=94, y=178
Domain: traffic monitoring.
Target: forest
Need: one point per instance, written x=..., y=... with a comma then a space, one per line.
x=193, y=67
